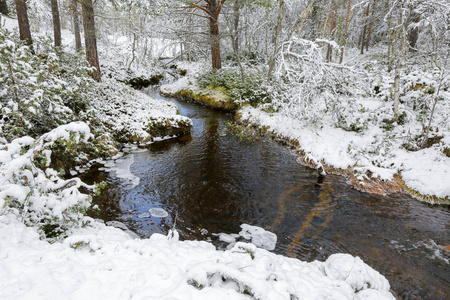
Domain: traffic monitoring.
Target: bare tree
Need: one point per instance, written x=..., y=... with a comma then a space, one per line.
x=332, y=31
x=235, y=35
x=413, y=33
x=399, y=37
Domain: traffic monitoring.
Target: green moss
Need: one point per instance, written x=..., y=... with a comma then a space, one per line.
x=216, y=100
x=446, y=151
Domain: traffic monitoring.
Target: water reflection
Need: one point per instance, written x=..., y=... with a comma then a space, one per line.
x=211, y=183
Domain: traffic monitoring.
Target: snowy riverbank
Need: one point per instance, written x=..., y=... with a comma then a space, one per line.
x=101, y=262
x=364, y=142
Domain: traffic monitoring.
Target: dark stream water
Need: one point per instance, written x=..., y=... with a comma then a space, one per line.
x=211, y=182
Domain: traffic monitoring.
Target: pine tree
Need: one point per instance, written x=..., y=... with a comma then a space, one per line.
x=56, y=23
x=90, y=39
x=24, y=25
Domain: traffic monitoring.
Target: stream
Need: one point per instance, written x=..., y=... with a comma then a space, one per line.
x=211, y=182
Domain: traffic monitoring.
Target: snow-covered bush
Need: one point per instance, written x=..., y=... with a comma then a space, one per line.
x=39, y=92
x=38, y=195
x=252, y=90
x=313, y=88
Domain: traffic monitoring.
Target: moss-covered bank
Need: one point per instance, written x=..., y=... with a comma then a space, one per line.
x=215, y=99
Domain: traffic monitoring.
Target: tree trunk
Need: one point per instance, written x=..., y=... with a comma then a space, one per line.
x=363, y=35
x=413, y=33
x=4, y=7
x=346, y=31
x=275, y=48
x=399, y=64
x=89, y=37
x=325, y=23
x=235, y=36
x=24, y=25
x=396, y=90
x=214, y=36
x=298, y=26
x=390, y=36
x=332, y=27
x=76, y=24
x=370, y=26
x=133, y=50
x=56, y=23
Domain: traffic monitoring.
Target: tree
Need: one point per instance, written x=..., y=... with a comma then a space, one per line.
x=345, y=31
x=235, y=36
x=24, y=25
x=90, y=39
x=56, y=23
x=212, y=9
x=413, y=33
x=4, y=7
x=364, y=23
x=76, y=24
x=332, y=32
x=276, y=40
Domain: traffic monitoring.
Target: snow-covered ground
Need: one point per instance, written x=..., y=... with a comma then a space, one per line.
x=102, y=262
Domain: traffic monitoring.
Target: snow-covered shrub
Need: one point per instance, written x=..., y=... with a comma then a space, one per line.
x=38, y=195
x=313, y=88
x=38, y=92
x=131, y=116
x=252, y=90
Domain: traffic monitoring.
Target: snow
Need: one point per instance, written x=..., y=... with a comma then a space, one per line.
x=258, y=236
x=103, y=262
x=158, y=212
x=426, y=171
x=122, y=169
x=81, y=130
x=186, y=82
x=98, y=261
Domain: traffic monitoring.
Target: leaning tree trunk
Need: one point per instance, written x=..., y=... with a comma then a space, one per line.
x=214, y=37
x=76, y=24
x=56, y=23
x=24, y=25
x=89, y=37
x=4, y=7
